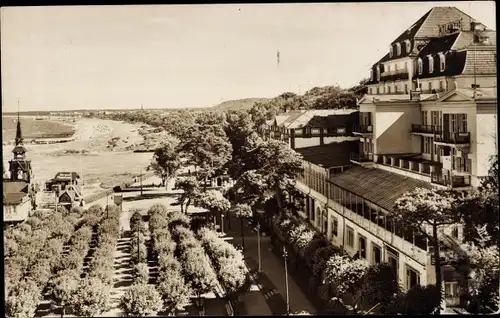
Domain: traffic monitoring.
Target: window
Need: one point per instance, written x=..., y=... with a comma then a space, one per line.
x=406, y=88
x=427, y=145
x=431, y=64
x=335, y=226
x=412, y=278
x=393, y=261
x=378, y=91
x=396, y=88
x=396, y=66
x=424, y=117
x=408, y=46
x=441, y=85
x=362, y=247
x=377, y=254
x=451, y=289
x=388, y=67
x=454, y=126
x=370, y=90
x=350, y=236
x=430, y=86
x=390, y=51
x=378, y=72
x=398, y=49
x=463, y=123
x=420, y=66
x=454, y=231
x=442, y=62
x=371, y=74
x=388, y=89
x=420, y=86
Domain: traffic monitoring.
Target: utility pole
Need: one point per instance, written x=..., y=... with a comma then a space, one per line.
x=141, y=181
x=285, y=254
x=222, y=222
x=258, y=246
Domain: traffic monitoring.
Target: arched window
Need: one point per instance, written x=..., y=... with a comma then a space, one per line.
x=431, y=64
x=391, y=51
x=398, y=49
x=442, y=62
x=378, y=72
x=420, y=66
x=408, y=46
x=324, y=224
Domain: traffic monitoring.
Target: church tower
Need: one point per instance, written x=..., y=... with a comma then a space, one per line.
x=19, y=166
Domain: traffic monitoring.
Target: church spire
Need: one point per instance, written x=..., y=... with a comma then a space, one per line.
x=19, y=134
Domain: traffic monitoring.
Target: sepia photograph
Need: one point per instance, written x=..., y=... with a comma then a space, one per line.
x=250, y=159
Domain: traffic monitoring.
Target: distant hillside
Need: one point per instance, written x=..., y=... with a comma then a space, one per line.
x=246, y=103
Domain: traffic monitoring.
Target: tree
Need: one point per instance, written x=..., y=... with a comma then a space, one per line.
x=213, y=201
x=140, y=301
x=22, y=300
x=277, y=166
x=136, y=222
x=91, y=299
x=427, y=211
x=379, y=288
x=198, y=271
x=166, y=160
x=174, y=291
x=190, y=189
x=419, y=300
x=62, y=287
x=242, y=211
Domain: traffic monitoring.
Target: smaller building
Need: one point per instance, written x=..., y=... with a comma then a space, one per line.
x=307, y=128
x=67, y=188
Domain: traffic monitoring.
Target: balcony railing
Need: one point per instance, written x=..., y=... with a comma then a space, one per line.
x=408, y=164
x=426, y=129
x=395, y=75
x=362, y=129
x=454, y=181
x=453, y=138
x=361, y=157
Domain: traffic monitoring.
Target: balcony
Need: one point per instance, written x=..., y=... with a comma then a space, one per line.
x=395, y=75
x=409, y=163
x=426, y=129
x=453, y=138
x=453, y=182
x=361, y=158
x=364, y=130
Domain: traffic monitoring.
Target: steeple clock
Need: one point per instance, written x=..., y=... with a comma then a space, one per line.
x=19, y=166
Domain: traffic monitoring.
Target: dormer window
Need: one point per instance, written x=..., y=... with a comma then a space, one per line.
x=420, y=66
x=371, y=74
x=378, y=73
x=442, y=62
x=398, y=49
x=431, y=64
x=408, y=46
x=390, y=51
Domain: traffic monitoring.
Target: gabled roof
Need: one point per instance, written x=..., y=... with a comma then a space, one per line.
x=14, y=192
x=14, y=198
x=380, y=187
x=330, y=155
x=412, y=30
x=64, y=176
x=438, y=16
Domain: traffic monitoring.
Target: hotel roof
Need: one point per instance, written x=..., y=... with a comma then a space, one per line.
x=380, y=187
x=330, y=155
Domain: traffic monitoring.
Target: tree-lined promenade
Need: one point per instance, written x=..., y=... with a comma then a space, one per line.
x=192, y=260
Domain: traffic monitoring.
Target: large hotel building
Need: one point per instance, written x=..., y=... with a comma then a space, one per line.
x=428, y=120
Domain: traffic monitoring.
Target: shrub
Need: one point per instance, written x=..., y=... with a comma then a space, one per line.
x=136, y=222
x=304, y=238
x=380, y=285
x=320, y=257
x=419, y=300
x=173, y=290
x=141, y=273
x=91, y=298
x=140, y=301
x=158, y=209
x=22, y=300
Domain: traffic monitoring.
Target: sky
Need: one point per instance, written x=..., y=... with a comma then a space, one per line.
x=171, y=56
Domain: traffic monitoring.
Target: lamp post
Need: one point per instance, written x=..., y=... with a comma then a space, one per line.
x=138, y=254
x=285, y=254
x=258, y=246
x=141, y=181
x=222, y=222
